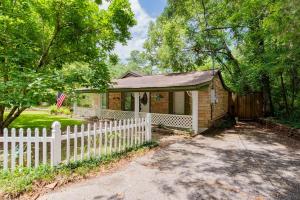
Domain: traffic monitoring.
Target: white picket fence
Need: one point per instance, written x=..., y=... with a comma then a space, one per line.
x=92, y=140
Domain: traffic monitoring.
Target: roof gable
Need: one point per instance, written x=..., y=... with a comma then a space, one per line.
x=130, y=74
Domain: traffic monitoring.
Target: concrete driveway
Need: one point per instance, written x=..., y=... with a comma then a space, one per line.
x=245, y=162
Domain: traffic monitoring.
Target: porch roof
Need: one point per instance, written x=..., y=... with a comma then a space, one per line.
x=173, y=81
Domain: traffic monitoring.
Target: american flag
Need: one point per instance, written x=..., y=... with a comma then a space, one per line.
x=60, y=99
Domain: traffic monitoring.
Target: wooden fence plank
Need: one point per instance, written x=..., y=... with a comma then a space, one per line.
x=29, y=147
x=13, y=149
x=44, y=146
x=21, y=147
x=36, y=148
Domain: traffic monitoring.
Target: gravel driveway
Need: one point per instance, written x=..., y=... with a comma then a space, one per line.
x=245, y=162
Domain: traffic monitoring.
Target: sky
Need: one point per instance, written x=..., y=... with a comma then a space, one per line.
x=145, y=11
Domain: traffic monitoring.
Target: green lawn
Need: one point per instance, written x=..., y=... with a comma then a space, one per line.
x=39, y=119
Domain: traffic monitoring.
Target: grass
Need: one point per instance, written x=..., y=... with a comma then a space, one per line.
x=39, y=119
x=24, y=179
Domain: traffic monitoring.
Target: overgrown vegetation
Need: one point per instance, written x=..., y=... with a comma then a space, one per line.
x=255, y=43
x=23, y=179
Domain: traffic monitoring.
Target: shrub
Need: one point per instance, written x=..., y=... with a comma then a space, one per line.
x=53, y=110
x=63, y=110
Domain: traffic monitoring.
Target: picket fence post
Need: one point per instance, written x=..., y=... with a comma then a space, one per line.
x=149, y=131
x=56, y=143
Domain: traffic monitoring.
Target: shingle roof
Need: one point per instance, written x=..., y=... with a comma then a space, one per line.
x=164, y=80
x=131, y=74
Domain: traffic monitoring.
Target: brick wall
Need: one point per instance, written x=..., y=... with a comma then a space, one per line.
x=159, y=105
x=114, y=100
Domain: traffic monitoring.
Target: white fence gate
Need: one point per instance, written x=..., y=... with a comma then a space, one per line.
x=92, y=140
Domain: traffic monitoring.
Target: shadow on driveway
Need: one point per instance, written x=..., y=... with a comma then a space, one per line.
x=244, y=162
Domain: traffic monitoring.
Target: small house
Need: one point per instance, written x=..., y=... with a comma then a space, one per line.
x=192, y=100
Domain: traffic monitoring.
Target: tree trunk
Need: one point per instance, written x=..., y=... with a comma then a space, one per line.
x=14, y=113
x=1, y=130
x=283, y=90
x=294, y=86
x=266, y=88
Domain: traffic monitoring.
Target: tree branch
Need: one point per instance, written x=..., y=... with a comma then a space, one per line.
x=12, y=111
x=220, y=28
x=224, y=65
x=44, y=55
x=232, y=58
x=16, y=114
x=2, y=108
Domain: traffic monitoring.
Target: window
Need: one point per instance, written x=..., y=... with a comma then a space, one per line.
x=128, y=101
x=103, y=100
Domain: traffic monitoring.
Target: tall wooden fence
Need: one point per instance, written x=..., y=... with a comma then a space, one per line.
x=246, y=107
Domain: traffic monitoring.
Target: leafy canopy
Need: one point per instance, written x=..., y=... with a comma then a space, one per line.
x=39, y=39
x=254, y=42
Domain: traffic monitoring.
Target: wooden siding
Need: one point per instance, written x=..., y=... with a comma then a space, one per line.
x=114, y=100
x=204, y=109
x=221, y=107
x=159, y=105
x=208, y=112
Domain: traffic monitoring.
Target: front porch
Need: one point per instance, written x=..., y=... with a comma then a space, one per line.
x=180, y=110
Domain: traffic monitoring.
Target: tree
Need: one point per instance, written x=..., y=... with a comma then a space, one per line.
x=38, y=39
x=255, y=44
x=189, y=33
x=137, y=62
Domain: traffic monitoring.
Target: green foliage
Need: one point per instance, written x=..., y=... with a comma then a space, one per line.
x=34, y=119
x=62, y=110
x=23, y=179
x=85, y=100
x=255, y=44
x=137, y=62
x=47, y=45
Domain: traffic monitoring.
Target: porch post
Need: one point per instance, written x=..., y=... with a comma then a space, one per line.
x=100, y=104
x=136, y=104
x=75, y=107
x=195, y=111
x=96, y=103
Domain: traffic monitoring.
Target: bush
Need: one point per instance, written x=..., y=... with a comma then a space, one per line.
x=63, y=110
x=53, y=110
